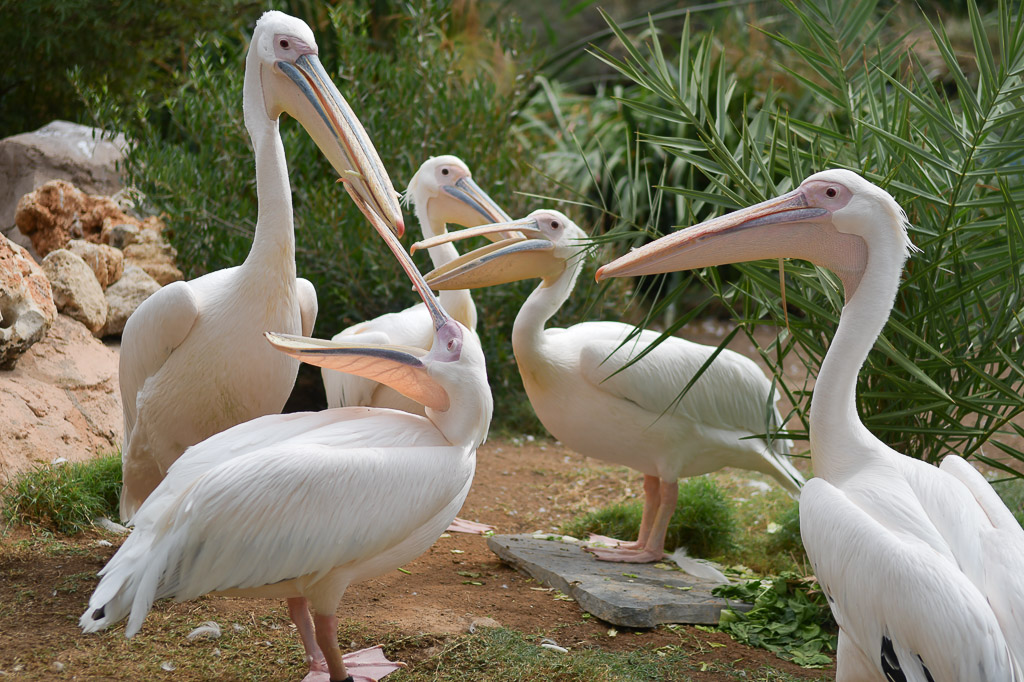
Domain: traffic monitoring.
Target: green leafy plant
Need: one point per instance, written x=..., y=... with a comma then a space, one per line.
x=704, y=521
x=789, y=619
x=64, y=498
x=946, y=375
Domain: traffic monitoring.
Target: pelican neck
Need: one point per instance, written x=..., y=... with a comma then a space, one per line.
x=457, y=302
x=840, y=443
x=539, y=307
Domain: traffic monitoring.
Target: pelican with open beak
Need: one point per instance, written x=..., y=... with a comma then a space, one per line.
x=193, y=358
x=298, y=506
x=584, y=393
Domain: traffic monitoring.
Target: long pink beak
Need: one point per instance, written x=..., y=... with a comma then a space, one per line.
x=777, y=228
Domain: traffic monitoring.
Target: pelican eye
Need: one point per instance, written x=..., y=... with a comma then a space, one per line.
x=831, y=192
x=554, y=225
x=284, y=43
x=445, y=171
x=451, y=344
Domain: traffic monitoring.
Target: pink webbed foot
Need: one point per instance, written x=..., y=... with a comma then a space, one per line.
x=471, y=527
x=626, y=555
x=370, y=664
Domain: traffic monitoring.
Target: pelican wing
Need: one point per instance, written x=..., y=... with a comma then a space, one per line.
x=882, y=581
x=158, y=326
x=732, y=393
x=293, y=509
x=340, y=428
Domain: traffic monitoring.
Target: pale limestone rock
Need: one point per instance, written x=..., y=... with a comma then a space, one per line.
x=76, y=291
x=58, y=150
x=26, y=303
x=61, y=401
x=107, y=263
x=124, y=296
x=149, y=251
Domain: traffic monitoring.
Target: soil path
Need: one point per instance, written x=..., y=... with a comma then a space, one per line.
x=521, y=485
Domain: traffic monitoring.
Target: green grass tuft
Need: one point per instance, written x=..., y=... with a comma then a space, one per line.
x=704, y=521
x=64, y=498
x=500, y=654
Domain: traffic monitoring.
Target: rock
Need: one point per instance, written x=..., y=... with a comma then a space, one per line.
x=76, y=291
x=483, y=622
x=62, y=400
x=58, y=150
x=26, y=303
x=58, y=211
x=629, y=595
x=149, y=251
x=124, y=296
x=120, y=235
x=107, y=263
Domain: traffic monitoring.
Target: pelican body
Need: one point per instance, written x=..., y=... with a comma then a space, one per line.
x=584, y=393
x=442, y=191
x=299, y=506
x=921, y=565
x=181, y=381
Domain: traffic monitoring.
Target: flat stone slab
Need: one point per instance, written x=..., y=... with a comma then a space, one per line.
x=630, y=595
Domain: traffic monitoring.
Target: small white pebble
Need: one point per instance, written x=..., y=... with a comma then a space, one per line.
x=216, y=652
x=530, y=438
x=59, y=460
x=57, y=666
x=237, y=627
x=168, y=666
x=104, y=543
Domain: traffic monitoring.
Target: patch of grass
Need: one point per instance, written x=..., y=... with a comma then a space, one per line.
x=64, y=498
x=500, y=654
x=704, y=521
x=789, y=618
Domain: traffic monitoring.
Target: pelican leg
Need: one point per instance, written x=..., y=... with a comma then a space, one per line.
x=652, y=500
x=654, y=547
x=298, y=609
x=326, y=627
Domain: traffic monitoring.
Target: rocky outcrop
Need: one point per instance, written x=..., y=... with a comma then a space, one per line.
x=61, y=400
x=148, y=250
x=57, y=213
x=107, y=263
x=26, y=303
x=58, y=150
x=76, y=292
x=124, y=296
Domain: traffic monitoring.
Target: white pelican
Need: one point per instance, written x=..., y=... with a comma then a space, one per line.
x=193, y=358
x=921, y=564
x=573, y=379
x=442, y=191
x=298, y=506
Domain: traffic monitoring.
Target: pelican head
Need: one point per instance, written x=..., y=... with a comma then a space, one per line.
x=445, y=184
x=540, y=246
x=284, y=67
x=450, y=379
x=831, y=219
